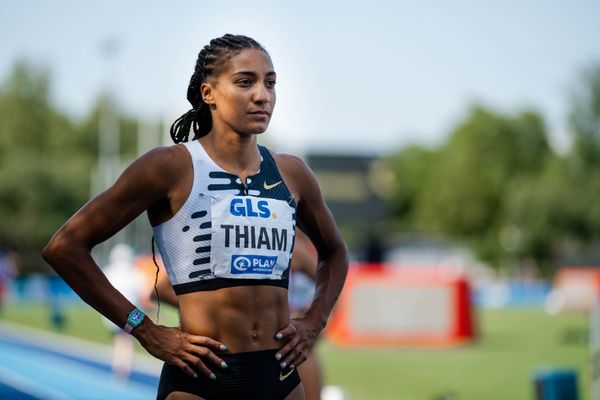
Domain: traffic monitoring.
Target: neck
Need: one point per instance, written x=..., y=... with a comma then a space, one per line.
x=235, y=153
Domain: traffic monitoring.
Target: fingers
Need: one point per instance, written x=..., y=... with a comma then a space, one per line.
x=206, y=354
x=198, y=365
x=287, y=348
x=295, y=350
x=286, y=332
x=297, y=340
x=300, y=358
x=295, y=356
x=197, y=357
x=206, y=342
x=196, y=351
x=185, y=368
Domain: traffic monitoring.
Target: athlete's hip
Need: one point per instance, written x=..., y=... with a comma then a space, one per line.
x=249, y=375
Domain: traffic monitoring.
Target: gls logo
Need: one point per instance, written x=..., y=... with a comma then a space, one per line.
x=241, y=208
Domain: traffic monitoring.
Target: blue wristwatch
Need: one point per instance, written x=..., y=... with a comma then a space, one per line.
x=135, y=317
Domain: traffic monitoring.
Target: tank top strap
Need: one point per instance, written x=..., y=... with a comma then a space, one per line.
x=199, y=160
x=268, y=166
x=195, y=149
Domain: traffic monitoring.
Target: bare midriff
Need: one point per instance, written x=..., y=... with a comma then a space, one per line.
x=244, y=318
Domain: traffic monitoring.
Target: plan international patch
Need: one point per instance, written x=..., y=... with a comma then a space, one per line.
x=252, y=264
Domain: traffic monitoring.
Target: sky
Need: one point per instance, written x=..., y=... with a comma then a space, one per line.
x=353, y=77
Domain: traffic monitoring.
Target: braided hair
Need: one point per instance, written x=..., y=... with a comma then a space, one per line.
x=211, y=60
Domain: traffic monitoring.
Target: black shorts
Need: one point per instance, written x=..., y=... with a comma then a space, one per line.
x=253, y=375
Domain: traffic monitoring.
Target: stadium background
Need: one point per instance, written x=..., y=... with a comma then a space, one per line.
x=461, y=142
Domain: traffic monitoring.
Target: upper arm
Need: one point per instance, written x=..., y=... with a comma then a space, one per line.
x=304, y=258
x=314, y=216
x=147, y=180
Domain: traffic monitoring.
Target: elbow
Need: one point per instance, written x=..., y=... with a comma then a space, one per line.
x=342, y=250
x=336, y=249
x=55, y=250
x=50, y=251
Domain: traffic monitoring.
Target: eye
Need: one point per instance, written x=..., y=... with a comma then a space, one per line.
x=271, y=83
x=244, y=82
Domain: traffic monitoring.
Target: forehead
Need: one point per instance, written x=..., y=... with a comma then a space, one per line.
x=250, y=60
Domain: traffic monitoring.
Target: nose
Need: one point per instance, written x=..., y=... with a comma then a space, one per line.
x=261, y=94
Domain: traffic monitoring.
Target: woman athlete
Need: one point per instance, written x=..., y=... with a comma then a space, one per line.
x=223, y=211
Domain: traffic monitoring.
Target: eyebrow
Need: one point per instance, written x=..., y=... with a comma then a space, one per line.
x=252, y=74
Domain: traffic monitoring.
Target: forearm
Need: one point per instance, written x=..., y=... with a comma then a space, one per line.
x=307, y=264
x=75, y=265
x=331, y=275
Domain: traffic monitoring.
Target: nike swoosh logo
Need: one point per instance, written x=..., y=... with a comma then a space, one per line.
x=268, y=187
x=283, y=377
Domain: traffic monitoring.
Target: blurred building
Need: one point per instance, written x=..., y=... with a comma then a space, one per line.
x=354, y=188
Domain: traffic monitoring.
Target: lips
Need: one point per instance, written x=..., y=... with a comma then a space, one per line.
x=260, y=113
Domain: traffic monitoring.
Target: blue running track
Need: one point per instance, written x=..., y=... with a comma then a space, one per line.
x=35, y=365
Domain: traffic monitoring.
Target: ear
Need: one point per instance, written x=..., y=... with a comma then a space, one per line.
x=206, y=91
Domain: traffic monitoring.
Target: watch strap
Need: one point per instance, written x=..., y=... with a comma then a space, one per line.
x=128, y=328
x=135, y=317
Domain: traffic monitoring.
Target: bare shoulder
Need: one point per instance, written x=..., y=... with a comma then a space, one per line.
x=170, y=157
x=297, y=174
x=160, y=173
x=161, y=164
x=290, y=165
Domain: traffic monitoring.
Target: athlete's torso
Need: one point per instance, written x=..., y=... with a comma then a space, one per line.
x=227, y=252
x=227, y=233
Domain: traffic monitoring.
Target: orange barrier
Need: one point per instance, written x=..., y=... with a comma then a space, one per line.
x=574, y=288
x=146, y=265
x=401, y=306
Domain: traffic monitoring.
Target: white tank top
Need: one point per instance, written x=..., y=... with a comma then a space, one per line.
x=227, y=234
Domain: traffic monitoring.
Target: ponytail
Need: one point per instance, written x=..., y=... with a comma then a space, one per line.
x=197, y=119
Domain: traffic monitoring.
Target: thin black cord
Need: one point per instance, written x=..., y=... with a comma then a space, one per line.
x=156, y=281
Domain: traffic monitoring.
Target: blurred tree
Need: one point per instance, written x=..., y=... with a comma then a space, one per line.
x=558, y=210
x=411, y=167
x=497, y=185
x=584, y=159
x=42, y=178
x=45, y=162
x=584, y=120
x=128, y=128
x=460, y=190
x=466, y=190
x=537, y=214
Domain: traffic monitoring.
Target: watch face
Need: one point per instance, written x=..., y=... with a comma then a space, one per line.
x=136, y=317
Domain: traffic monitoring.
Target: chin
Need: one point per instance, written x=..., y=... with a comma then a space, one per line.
x=256, y=130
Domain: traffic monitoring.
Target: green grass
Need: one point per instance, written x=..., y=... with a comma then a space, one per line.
x=80, y=321
x=499, y=366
